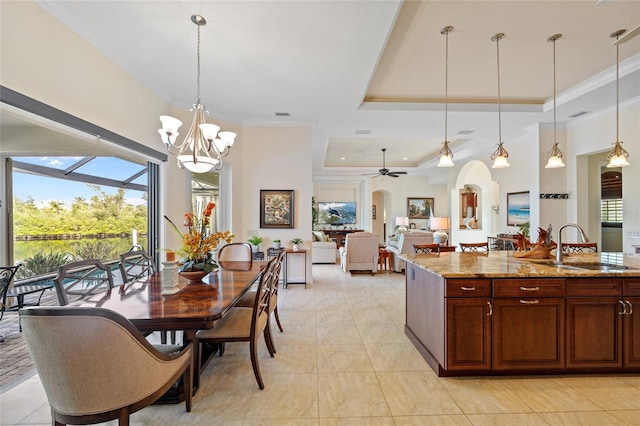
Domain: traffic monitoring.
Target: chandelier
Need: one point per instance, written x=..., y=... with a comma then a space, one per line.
x=204, y=146
x=445, y=154
x=555, y=155
x=618, y=155
x=500, y=155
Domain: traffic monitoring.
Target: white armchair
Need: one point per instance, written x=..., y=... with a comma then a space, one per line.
x=405, y=245
x=360, y=252
x=322, y=249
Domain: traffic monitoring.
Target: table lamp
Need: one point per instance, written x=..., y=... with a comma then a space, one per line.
x=440, y=224
x=402, y=223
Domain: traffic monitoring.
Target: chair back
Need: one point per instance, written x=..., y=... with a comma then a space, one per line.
x=6, y=276
x=92, y=362
x=82, y=278
x=235, y=252
x=477, y=247
x=426, y=248
x=261, y=304
x=135, y=265
x=580, y=247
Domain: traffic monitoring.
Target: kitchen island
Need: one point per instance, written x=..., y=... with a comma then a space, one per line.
x=492, y=313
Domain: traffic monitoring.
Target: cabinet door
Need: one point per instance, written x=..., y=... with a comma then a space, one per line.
x=528, y=333
x=468, y=334
x=632, y=332
x=594, y=332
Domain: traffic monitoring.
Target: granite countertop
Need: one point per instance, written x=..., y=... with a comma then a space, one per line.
x=502, y=264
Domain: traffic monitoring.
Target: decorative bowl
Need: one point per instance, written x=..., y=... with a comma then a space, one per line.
x=193, y=276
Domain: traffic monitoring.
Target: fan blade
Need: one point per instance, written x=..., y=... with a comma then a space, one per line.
x=399, y=173
x=369, y=174
x=392, y=175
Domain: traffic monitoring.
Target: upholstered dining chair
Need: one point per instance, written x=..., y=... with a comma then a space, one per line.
x=95, y=366
x=236, y=252
x=476, y=247
x=82, y=278
x=6, y=276
x=248, y=299
x=426, y=248
x=241, y=324
x=580, y=247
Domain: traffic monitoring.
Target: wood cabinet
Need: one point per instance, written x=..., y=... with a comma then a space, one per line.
x=631, y=323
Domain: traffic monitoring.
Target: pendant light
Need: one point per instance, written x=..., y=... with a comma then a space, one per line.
x=618, y=155
x=555, y=155
x=500, y=155
x=445, y=154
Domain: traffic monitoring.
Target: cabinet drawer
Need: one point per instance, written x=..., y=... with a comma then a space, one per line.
x=468, y=288
x=631, y=287
x=553, y=287
x=594, y=287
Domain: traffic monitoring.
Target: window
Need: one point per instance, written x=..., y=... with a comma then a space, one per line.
x=611, y=212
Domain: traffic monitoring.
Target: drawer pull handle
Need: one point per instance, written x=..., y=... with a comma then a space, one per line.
x=468, y=288
x=490, y=309
x=530, y=288
x=630, y=308
x=529, y=302
x=624, y=308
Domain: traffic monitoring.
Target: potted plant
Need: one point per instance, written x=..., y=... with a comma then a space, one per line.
x=276, y=244
x=255, y=242
x=296, y=243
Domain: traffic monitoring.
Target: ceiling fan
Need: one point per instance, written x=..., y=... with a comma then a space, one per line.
x=384, y=171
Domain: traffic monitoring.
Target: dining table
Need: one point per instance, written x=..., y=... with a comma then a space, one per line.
x=195, y=306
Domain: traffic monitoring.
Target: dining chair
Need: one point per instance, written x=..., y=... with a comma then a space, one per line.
x=242, y=324
x=95, y=366
x=248, y=299
x=6, y=276
x=82, y=278
x=235, y=252
x=588, y=247
x=445, y=249
x=426, y=248
x=475, y=247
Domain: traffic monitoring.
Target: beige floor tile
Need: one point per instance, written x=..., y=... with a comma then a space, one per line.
x=21, y=401
x=343, y=358
x=338, y=334
x=532, y=419
x=388, y=333
x=591, y=418
x=357, y=421
x=281, y=422
x=292, y=359
x=414, y=393
x=350, y=395
x=332, y=304
x=291, y=317
x=297, y=335
x=335, y=317
x=610, y=393
x=549, y=394
x=364, y=303
x=290, y=396
x=629, y=417
x=448, y=420
x=484, y=396
x=395, y=357
x=371, y=318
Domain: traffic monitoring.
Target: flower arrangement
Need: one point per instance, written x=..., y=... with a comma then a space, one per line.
x=297, y=241
x=198, y=242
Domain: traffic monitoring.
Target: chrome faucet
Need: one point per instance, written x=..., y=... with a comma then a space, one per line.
x=583, y=237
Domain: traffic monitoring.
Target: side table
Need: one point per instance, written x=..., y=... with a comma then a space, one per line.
x=385, y=260
x=287, y=267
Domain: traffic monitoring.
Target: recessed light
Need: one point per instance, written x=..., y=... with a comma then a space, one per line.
x=363, y=132
x=405, y=158
x=282, y=114
x=343, y=158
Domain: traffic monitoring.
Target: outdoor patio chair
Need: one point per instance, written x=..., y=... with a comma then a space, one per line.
x=82, y=278
x=95, y=366
x=6, y=276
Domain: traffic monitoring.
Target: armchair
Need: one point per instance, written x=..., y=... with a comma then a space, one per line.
x=360, y=252
x=405, y=246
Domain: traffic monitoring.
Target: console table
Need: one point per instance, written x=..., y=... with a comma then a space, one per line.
x=339, y=235
x=287, y=267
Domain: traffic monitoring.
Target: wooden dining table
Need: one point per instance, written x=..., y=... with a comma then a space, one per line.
x=194, y=307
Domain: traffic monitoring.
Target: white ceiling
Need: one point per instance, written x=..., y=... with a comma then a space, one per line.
x=344, y=66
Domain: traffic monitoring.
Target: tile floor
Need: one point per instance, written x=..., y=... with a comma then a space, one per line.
x=344, y=360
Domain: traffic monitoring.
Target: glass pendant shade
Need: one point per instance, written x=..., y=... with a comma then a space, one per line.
x=618, y=156
x=555, y=158
x=201, y=164
x=499, y=157
x=446, y=156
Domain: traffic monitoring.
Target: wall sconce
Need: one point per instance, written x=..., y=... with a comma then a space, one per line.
x=496, y=209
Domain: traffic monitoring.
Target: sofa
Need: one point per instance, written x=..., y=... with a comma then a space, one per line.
x=404, y=245
x=323, y=250
x=360, y=252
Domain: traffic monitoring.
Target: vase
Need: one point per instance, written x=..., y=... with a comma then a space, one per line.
x=194, y=276
x=295, y=247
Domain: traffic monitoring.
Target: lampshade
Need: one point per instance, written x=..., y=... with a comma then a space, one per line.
x=402, y=221
x=440, y=223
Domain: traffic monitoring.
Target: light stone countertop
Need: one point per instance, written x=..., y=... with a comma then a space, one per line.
x=502, y=264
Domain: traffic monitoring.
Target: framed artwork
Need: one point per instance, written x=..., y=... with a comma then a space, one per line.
x=373, y=212
x=276, y=208
x=419, y=208
x=337, y=213
x=518, y=206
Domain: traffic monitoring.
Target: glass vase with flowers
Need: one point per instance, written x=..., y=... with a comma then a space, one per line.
x=198, y=243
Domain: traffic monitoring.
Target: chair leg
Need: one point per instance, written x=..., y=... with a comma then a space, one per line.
x=187, y=380
x=275, y=314
x=123, y=417
x=163, y=337
x=268, y=339
x=254, y=361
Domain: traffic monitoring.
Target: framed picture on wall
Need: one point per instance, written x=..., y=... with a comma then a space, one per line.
x=276, y=208
x=373, y=212
x=518, y=206
x=419, y=208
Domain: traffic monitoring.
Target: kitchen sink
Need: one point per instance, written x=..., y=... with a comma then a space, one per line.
x=602, y=267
